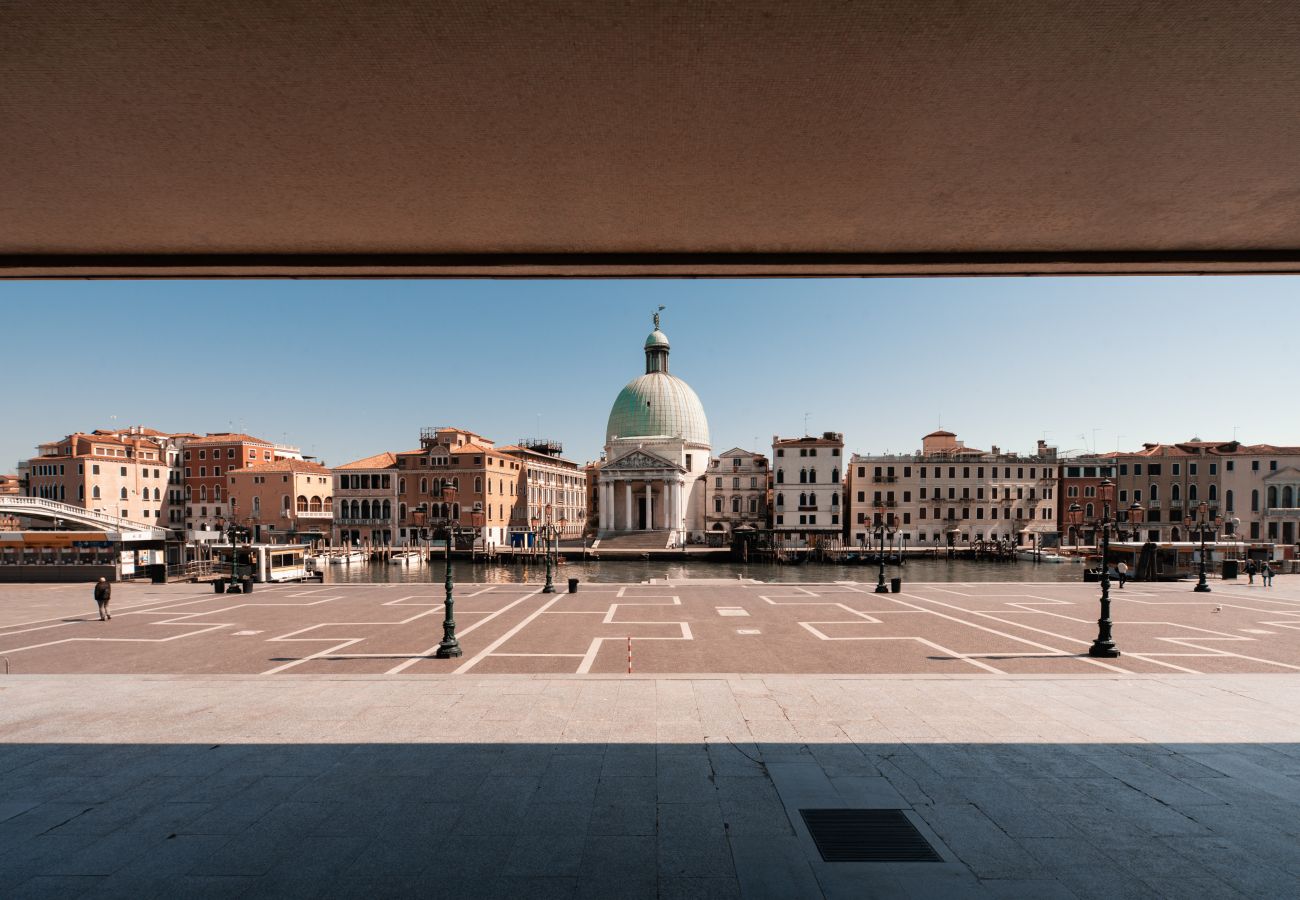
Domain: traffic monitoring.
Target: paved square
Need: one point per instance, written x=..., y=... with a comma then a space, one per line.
x=670, y=628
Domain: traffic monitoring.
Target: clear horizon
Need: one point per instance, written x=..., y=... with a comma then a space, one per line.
x=347, y=369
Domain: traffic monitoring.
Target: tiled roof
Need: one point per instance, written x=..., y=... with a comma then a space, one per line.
x=229, y=437
x=385, y=460
x=302, y=466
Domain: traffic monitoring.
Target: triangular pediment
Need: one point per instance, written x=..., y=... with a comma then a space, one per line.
x=640, y=460
x=1288, y=474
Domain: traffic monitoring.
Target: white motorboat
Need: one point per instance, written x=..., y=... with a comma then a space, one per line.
x=347, y=558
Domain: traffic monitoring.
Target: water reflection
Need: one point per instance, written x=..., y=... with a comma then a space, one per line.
x=606, y=571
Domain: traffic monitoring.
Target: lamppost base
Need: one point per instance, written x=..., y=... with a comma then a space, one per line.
x=548, y=589
x=881, y=589
x=1202, y=588
x=448, y=650
x=1101, y=650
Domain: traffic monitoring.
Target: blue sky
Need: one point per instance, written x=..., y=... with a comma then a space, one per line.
x=349, y=368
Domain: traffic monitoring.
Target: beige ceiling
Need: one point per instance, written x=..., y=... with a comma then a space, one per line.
x=284, y=137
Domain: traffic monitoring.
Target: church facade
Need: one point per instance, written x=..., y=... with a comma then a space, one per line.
x=656, y=453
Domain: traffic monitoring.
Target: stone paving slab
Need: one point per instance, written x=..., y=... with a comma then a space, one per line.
x=688, y=628
x=613, y=786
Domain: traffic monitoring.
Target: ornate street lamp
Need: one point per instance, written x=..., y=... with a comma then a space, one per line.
x=449, y=648
x=550, y=532
x=1202, y=521
x=1103, y=647
x=1135, y=516
x=233, y=531
x=883, y=527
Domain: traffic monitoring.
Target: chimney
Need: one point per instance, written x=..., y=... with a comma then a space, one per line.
x=1042, y=447
x=995, y=450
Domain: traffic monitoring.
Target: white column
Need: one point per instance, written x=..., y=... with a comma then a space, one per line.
x=649, y=507
x=679, y=507
x=627, y=511
x=604, y=505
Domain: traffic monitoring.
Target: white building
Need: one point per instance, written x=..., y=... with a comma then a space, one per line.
x=656, y=451
x=807, y=500
x=953, y=494
x=735, y=493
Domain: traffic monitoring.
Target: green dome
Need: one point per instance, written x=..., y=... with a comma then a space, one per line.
x=656, y=339
x=658, y=405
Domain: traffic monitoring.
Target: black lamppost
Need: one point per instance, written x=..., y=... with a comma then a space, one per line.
x=883, y=527
x=1135, y=516
x=234, y=532
x=550, y=532
x=1103, y=647
x=1202, y=521
x=450, y=646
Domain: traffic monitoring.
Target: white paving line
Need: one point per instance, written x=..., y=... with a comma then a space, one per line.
x=402, y=667
x=487, y=651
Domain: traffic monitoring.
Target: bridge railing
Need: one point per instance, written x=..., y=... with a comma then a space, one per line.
x=68, y=511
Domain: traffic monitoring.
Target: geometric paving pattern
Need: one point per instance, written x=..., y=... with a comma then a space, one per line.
x=1012, y=628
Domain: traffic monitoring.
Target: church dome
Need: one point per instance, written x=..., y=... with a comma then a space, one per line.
x=657, y=404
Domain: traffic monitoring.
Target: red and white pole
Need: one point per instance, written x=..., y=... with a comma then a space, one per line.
x=629, y=654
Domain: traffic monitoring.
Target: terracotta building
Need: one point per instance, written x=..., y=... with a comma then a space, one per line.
x=1077, y=483
x=122, y=473
x=283, y=501
x=485, y=478
x=206, y=464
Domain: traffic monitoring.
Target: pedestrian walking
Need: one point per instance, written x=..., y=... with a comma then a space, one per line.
x=103, y=591
x=1251, y=569
x=1267, y=575
x=1122, y=569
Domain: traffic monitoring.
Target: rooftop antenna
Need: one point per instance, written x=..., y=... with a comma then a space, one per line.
x=805, y=424
x=1095, y=429
x=1234, y=433
x=1117, y=437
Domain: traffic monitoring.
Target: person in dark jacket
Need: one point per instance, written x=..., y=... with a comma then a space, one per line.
x=103, y=591
x=1251, y=569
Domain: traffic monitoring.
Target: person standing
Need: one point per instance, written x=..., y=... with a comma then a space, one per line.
x=1250, y=571
x=103, y=592
x=1266, y=574
x=1122, y=569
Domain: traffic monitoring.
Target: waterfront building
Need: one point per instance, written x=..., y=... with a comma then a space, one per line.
x=283, y=501
x=735, y=494
x=1260, y=486
x=11, y=484
x=549, y=480
x=807, y=489
x=656, y=452
x=485, y=478
x=1169, y=480
x=366, y=502
x=125, y=473
x=1077, y=482
x=207, y=462
x=949, y=494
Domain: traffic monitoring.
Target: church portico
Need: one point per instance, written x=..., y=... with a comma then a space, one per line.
x=642, y=491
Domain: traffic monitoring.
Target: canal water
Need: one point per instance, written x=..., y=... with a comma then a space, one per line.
x=633, y=571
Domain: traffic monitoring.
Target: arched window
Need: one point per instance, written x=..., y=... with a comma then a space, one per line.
x=329, y=504
x=835, y=476
x=1254, y=501
x=285, y=503
x=780, y=476
x=1227, y=499
x=365, y=509
x=1155, y=492
x=812, y=499
x=1088, y=511
x=388, y=509
x=455, y=511
x=203, y=493
x=424, y=485
x=356, y=509
x=302, y=503
x=780, y=499
x=1174, y=494
x=123, y=493
x=315, y=505
x=1214, y=492
x=401, y=485
x=735, y=504
x=717, y=504
x=187, y=492
x=1272, y=497
x=1288, y=497
x=803, y=499
x=158, y=496
x=401, y=511
x=478, y=484
x=835, y=499
x=803, y=476
x=94, y=492
x=1191, y=493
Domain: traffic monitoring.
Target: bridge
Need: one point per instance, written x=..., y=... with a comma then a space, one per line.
x=39, y=507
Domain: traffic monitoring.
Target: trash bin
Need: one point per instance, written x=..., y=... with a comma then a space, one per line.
x=1229, y=568
x=895, y=585
x=219, y=586
x=158, y=573
x=248, y=584
x=573, y=585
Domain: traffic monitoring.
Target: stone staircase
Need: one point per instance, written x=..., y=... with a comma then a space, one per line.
x=634, y=540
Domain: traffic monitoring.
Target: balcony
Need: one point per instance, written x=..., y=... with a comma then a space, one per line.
x=348, y=521
x=314, y=514
x=1282, y=512
x=884, y=479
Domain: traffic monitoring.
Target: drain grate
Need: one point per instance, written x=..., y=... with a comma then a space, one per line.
x=867, y=835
